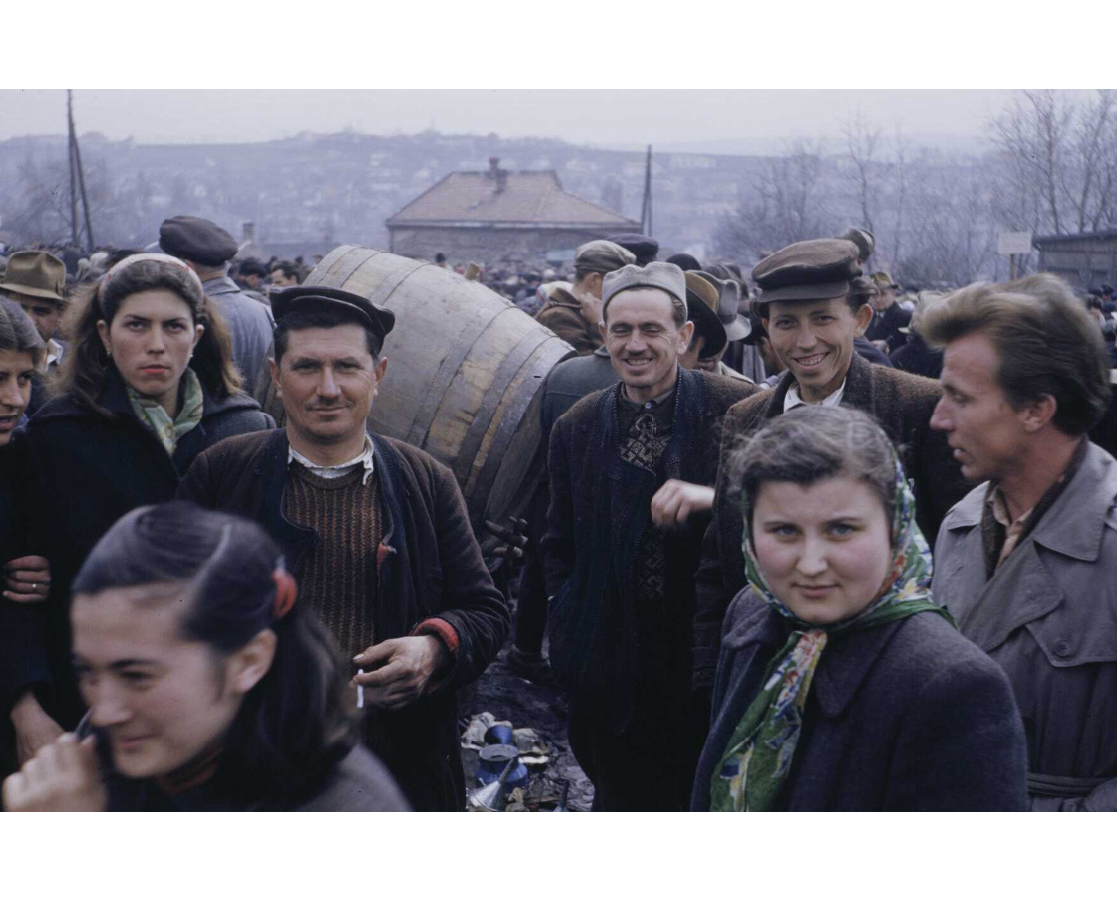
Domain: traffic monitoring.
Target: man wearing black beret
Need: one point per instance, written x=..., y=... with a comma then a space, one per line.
x=641, y=246
x=207, y=249
x=812, y=315
x=375, y=532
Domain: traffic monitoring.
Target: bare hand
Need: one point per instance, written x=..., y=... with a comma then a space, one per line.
x=402, y=668
x=63, y=777
x=27, y=579
x=676, y=501
x=33, y=727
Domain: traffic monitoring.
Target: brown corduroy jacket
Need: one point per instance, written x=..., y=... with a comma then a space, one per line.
x=563, y=315
x=901, y=403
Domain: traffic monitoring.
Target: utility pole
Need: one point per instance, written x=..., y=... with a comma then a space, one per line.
x=646, y=212
x=76, y=167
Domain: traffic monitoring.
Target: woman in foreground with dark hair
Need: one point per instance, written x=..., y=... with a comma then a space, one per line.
x=209, y=687
x=147, y=385
x=840, y=685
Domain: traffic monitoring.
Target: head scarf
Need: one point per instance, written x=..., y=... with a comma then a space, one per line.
x=760, y=752
x=144, y=257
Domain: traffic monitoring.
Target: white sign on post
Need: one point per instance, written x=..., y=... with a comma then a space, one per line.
x=1009, y=242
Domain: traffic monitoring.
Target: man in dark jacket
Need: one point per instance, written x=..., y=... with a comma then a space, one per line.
x=375, y=532
x=630, y=470
x=888, y=316
x=574, y=315
x=1025, y=563
x=207, y=249
x=808, y=311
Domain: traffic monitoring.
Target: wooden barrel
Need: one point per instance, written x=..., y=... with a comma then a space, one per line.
x=464, y=371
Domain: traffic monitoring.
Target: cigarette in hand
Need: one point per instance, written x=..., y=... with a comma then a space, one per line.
x=360, y=692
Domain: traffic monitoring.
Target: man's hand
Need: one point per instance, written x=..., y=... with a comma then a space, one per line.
x=63, y=777
x=27, y=579
x=402, y=668
x=34, y=728
x=676, y=501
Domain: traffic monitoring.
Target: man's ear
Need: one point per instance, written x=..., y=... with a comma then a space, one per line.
x=1038, y=413
x=685, y=335
x=273, y=368
x=863, y=317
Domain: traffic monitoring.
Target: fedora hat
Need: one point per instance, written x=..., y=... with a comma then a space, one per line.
x=736, y=326
x=702, y=301
x=36, y=273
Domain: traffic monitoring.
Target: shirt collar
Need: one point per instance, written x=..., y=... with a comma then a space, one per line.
x=54, y=352
x=792, y=398
x=364, y=459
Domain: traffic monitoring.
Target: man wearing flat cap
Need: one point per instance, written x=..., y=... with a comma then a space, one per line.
x=630, y=470
x=375, y=532
x=863, y=240
x=644, y=248
x=812, y=312
x=207, y=249
x=36, y=280
x=574, y=315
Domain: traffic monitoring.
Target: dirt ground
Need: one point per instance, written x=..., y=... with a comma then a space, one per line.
x=528, y=705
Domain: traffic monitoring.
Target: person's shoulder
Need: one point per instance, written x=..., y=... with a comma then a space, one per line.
x=907, y=386
x=239, y=446
x=64, y=406
x=359, y=783
x=926, y=646
x=727, y=392
x=585, y=410
x=415, y=458
x=752, y=404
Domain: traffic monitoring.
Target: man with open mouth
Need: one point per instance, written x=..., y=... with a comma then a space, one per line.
x=812, y=311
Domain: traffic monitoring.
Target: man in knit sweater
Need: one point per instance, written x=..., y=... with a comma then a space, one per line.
x=631, y=468
x=375, y=531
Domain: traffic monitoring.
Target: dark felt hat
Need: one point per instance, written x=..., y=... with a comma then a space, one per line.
x=641, y=246
x=684, y=261
x=807, y=270
x=864, y=240
x=757, y=331
x=702, y=305
x=377, y=319
x=729, y=295
x=197, y=240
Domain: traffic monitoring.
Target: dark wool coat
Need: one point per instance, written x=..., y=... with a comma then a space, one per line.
x=563, y=315
x=569, y=382
x=907, y=716
x=870, y=353
x=88, y=470
x=918, y=358
x=1048, y=616
x=430, y=565
x=901, y=403
x=886, y=326
x=600, y=509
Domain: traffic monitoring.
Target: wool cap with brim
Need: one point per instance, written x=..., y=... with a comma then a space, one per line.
x=808, y=270
x=308, y=298
x=884, y=280
x=661, y=275
x=643, y=247
x=198, y=240
x=602, y=256
x=685, y=261
x=729, y=295
x=864, y=240
x=701, y=306
x=36, y=273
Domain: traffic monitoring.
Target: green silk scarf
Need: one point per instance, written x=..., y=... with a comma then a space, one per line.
x=151, y=412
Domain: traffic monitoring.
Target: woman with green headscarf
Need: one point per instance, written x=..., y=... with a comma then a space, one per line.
x=840, y=684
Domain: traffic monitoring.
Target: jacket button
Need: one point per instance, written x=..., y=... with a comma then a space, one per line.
x=1062, y=648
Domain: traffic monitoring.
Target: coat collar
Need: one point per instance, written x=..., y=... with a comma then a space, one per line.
x=858, y=390
x=1075, y=524
x=223, y=285
x=845, y=663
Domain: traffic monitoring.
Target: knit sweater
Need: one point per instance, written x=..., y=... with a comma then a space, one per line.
x=333, y=576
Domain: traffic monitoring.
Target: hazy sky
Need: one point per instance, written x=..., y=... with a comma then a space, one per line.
x=599, y=117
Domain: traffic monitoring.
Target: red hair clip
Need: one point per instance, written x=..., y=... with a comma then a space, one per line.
x=286, y=591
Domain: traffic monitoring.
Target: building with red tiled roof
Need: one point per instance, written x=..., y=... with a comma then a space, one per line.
x=499, y=215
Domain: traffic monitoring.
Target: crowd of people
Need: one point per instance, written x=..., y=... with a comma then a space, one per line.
x=801, y=541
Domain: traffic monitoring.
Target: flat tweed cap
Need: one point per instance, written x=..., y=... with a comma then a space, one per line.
x=197, y=240
x=602, y=256
x=377, y=319
x=661, y=275
x=864, y=240
x=645, y=248
x=807, y=270
x=36, y=273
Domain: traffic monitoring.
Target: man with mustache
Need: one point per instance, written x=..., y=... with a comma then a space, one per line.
x=375, y=532
x=630, y=470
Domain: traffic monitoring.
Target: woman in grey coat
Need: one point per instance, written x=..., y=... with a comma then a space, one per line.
x=840, y=685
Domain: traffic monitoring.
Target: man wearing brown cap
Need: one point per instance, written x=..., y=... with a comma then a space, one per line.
x=628, y=468
x=36, y=280
x=812, y=314
x=207, y=249
x=574, y=315
x=375, y=532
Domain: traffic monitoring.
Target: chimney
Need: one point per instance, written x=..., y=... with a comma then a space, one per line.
x=497, y=173
x=249, y=232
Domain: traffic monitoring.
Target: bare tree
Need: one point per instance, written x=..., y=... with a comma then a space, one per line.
x=863, y=143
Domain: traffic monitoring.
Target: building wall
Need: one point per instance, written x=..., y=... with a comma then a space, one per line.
x=1084, y=264
x=487, y=245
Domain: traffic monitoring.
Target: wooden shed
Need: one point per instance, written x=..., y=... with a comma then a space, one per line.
x=498, y=215
x=1084, y=260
